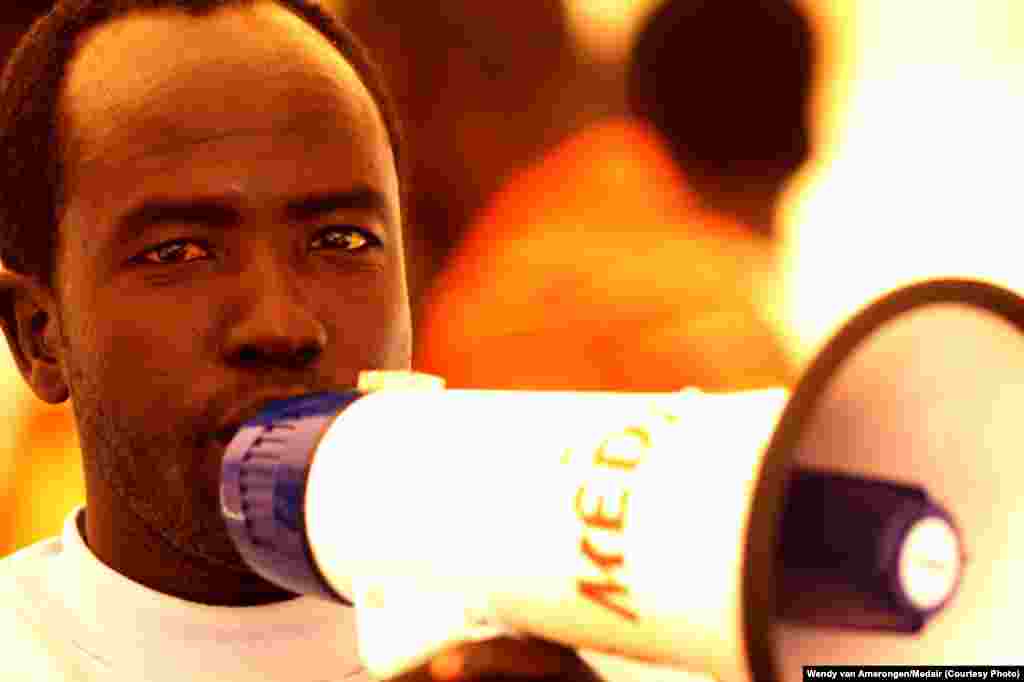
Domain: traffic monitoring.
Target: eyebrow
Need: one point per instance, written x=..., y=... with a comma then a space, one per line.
x=220, y=212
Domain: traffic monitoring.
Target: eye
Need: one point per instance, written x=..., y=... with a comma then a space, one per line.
x=173, y=252
x=345, y=238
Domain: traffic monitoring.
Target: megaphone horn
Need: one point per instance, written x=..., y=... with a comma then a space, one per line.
x=922, y=389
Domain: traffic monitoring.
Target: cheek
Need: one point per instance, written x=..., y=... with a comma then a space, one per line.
x=364, y=332
x=146, y=348
x=157, y=332
x=396, y=342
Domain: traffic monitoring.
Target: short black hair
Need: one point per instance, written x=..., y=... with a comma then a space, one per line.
x=727, y=83
x=31, y=167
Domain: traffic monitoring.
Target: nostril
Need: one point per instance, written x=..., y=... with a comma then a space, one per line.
x=307, y=354
x=293, y=358
x=250, y=355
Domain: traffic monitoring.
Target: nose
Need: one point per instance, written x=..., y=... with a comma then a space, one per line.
x=276, y=327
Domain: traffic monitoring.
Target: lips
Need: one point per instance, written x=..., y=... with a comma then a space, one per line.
x=235, y=418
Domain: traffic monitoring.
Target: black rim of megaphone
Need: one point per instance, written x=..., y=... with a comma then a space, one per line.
x=759, y=590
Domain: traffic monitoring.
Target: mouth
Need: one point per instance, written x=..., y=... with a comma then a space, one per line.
x=235, y=419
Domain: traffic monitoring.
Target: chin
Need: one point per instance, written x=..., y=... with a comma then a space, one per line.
x=218, y=549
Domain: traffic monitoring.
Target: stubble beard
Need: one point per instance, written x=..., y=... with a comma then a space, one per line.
x=156, y=472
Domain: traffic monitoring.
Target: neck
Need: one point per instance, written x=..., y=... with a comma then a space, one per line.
x=123, y=541
x=757, y=213
x=753, y=202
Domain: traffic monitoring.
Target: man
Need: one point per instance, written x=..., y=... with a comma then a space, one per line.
x=200, y=213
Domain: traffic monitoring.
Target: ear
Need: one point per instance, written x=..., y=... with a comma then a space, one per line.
x=30, y=323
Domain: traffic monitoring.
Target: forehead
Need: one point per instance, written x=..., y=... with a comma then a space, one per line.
x=157, y=81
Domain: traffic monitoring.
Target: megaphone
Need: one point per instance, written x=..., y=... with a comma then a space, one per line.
x=866, y=518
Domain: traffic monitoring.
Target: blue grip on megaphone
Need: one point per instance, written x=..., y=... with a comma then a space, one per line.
x=263, y=488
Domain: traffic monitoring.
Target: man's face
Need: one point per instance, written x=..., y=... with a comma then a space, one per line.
x=231, y=207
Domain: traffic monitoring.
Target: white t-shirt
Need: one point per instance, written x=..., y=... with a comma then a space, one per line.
x=65, y=615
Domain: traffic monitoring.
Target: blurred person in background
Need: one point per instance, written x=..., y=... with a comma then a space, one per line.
x=178, y=174
x=484, y=89
x=640, y=254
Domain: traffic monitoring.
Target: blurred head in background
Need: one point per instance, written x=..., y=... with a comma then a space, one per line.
x=728, y=83
x=484, y=89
